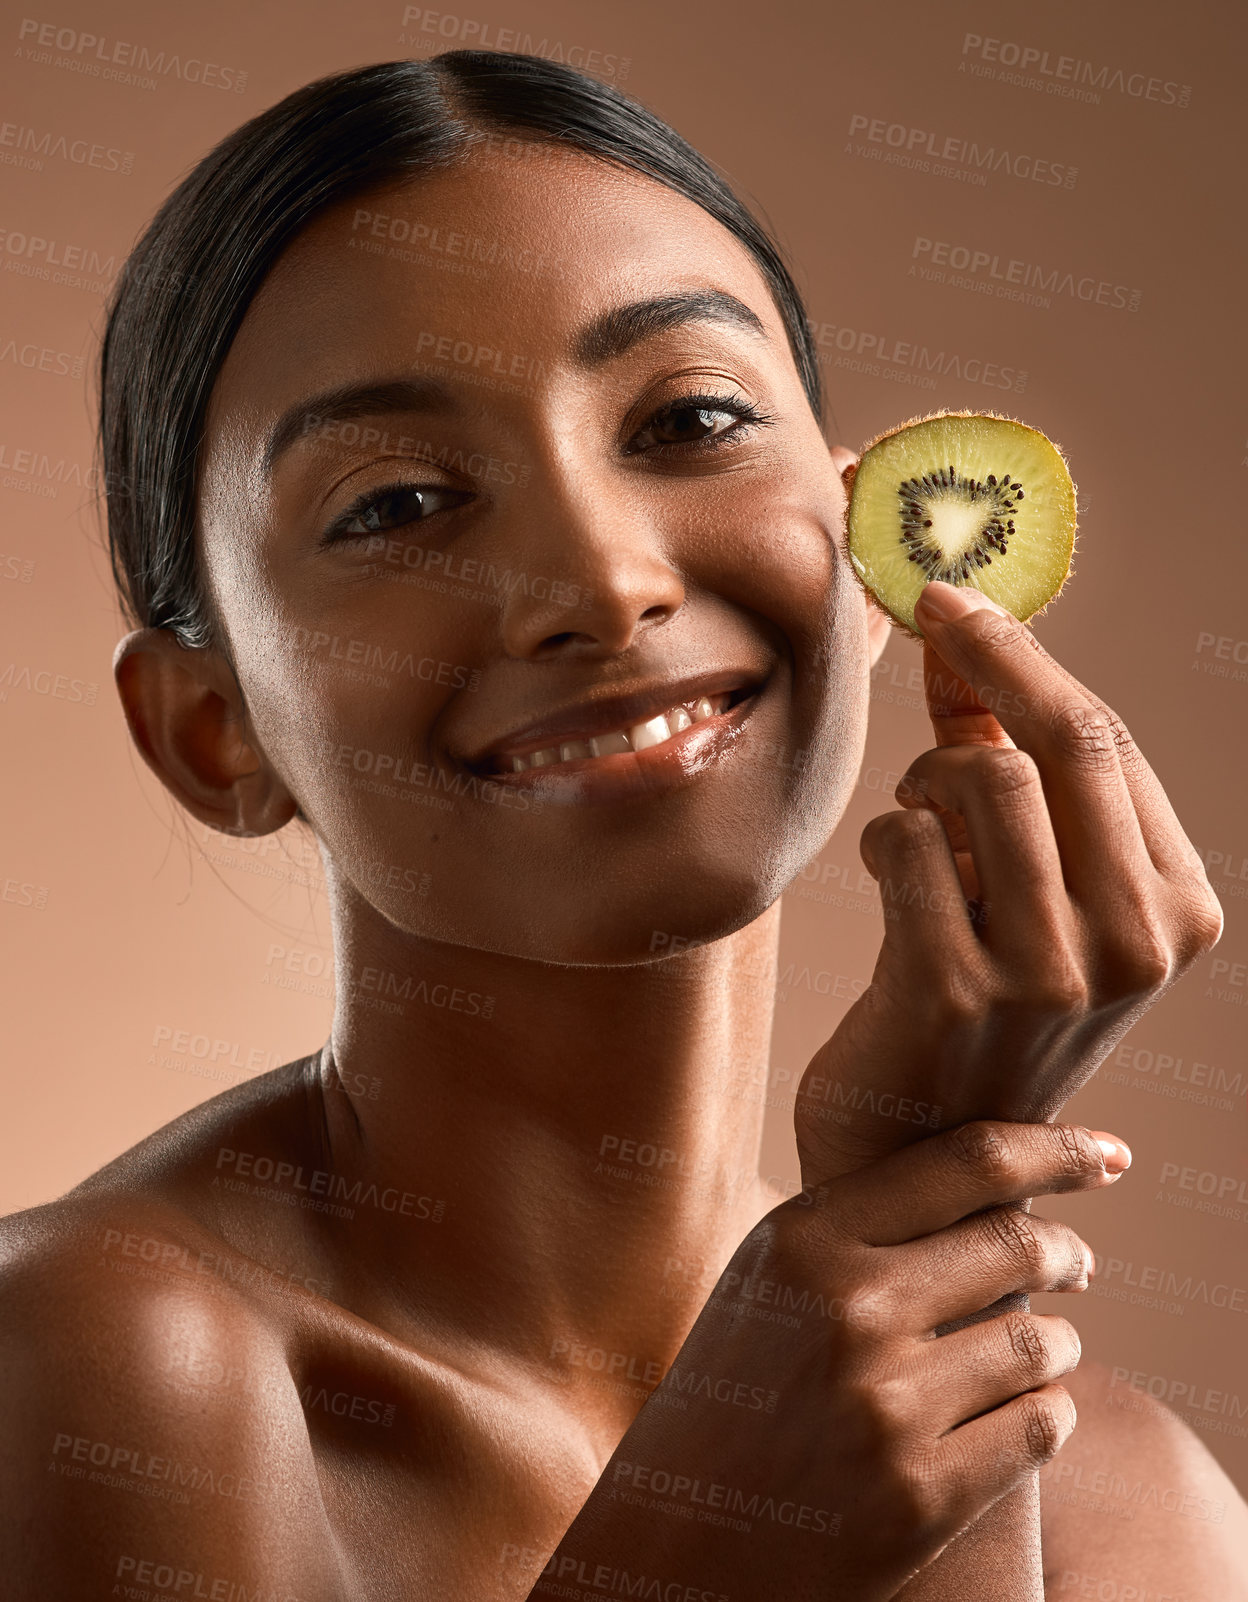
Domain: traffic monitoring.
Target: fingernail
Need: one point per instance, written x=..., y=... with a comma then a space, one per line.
x=948, y=602
x=1117, y=1155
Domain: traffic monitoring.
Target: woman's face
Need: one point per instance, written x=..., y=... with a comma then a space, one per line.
x=587, y=490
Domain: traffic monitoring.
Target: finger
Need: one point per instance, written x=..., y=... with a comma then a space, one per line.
x=937, y=1181
x=981, y=1461
x=1164, y=836
x=997, y=795
x=958, y=716
x=927, y=922
x=960, y=1270
x=975, y=1370
x=952, y=702
x=1046, y=714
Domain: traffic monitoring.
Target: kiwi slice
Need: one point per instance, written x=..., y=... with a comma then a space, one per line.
x=967, y=497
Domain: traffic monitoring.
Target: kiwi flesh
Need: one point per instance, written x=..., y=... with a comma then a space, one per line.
x=968, y=497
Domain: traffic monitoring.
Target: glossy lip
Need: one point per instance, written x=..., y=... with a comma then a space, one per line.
x=636, y=775
x=586, y=719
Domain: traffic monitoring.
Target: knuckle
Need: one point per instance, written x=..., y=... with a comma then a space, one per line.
x=874, y=827
x=884, y=1403
x=1066, y=1257
x=1027, y=1342
x=1200, y=926
x=867, y=1312
x=1075, y=1152
x=895, y=836
x=1124, y=744
x=912, y=786
x=1139, y=962
x=979, y=1148
x=1206, y=924
x=1006, y=773
x=915, y=829
x=1041, y=1426
x=1014, y=1233
x=956, y=1002
x=1061, y=987
x=870, y=839
x=1083, y=734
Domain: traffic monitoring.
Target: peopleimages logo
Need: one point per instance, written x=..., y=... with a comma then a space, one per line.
x=907, y=360
x=1068, y=77
x=1014, y=277
x=32, y=144
x=922, y=147
x=472, y=33
x=133, y=65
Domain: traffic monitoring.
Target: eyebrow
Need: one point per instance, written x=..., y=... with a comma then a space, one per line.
x=347, y=401
x=609, y=335
x=616, y=331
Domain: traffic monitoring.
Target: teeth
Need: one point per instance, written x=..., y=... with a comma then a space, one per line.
x=637, y=738
x=653, y=732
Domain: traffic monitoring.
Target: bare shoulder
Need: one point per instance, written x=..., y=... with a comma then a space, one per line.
x=270, y=1113
x=1136, y=1499
x=152, y=1425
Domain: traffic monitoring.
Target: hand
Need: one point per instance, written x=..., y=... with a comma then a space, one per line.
x=1039, y=895
x=812, y=1439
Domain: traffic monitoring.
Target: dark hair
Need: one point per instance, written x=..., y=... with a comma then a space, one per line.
x=186, y=287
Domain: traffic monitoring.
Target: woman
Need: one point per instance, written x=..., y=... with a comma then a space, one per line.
x=521, y=586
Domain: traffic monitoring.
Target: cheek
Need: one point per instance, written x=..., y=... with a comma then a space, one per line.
x=770, y=543
x=348, y=684
x=779, y=558
x=805, y=577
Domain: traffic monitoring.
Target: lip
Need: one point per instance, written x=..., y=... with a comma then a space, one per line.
x=602, y=715
x=634, y=775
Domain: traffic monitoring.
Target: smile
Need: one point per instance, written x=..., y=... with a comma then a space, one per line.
x=605, y=754
x=636, y=737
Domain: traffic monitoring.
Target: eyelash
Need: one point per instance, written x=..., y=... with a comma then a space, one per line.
x=748, y=417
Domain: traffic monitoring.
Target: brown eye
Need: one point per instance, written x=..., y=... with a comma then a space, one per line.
x=690, y=423
x=394, y=506
x=698, y=421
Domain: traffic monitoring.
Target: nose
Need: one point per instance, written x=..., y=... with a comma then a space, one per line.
x=596, y=573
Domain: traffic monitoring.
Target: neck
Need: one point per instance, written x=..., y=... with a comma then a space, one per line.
x=592, y=1135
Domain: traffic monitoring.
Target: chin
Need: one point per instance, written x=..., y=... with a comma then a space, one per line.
x=674, y=914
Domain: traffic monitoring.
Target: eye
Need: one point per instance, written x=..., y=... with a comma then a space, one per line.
x=378, y=511
x=699, y=422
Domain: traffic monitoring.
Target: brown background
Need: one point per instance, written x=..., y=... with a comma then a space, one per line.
x=149, y=965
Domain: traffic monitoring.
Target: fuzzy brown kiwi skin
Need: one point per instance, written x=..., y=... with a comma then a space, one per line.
x=850, y=473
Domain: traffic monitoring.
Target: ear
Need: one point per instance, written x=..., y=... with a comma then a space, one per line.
x=187, y=717
x=879, y=624
x=880, y=628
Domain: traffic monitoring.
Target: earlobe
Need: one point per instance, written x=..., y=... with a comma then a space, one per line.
x=188, y=719
x=843, y=459
x=879, y=627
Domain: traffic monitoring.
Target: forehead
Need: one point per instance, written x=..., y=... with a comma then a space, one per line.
x=512, y=252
